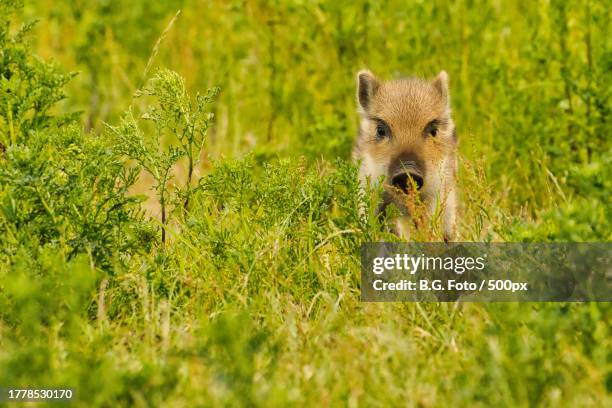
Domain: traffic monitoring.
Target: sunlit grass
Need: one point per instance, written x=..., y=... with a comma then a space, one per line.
x=254, y=298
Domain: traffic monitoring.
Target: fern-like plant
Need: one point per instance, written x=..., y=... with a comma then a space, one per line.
x=179, y=130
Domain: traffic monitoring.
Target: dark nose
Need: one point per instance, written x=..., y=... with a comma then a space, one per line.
x=403, y=181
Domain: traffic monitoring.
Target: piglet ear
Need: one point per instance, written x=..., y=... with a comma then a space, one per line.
x=367, y=85
x=440, y=82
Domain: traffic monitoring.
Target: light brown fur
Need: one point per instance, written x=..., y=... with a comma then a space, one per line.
x=418, y=139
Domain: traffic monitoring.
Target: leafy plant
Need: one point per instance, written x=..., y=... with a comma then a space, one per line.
x=68, y=189
x=58, y=185
x=29, y=87
x=174, y=117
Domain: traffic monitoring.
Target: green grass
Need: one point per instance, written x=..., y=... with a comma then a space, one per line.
x=253, y=299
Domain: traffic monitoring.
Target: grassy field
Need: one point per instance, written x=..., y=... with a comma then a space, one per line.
x=179, y=219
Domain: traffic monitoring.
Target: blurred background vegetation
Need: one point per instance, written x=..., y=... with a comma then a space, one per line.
x=530, y=81
x=254, y=300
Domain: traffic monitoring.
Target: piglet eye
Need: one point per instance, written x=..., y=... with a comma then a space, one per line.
x=382, y=130
x=432, y=128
